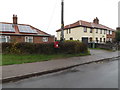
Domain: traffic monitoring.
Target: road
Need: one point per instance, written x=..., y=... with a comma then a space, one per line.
x=95, y=75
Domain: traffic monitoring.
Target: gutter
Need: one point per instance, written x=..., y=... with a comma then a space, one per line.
x=24, y=34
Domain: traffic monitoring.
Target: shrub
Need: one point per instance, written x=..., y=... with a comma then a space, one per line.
x=68, y=47
x=6, y=47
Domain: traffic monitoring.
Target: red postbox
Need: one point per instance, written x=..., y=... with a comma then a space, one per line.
x=56, y=44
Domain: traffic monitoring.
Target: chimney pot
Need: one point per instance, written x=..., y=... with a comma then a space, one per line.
x=15, y=19
x=96, y=21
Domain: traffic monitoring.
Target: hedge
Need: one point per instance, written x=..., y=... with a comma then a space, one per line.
x=69, y=47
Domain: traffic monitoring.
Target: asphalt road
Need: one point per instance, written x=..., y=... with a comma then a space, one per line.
x=95, y=75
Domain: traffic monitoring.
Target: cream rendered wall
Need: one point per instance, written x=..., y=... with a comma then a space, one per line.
x=78, y=32
x=99, y=35
x=58, y=35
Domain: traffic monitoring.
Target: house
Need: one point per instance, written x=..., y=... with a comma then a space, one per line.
x=14, y=32
x=87, y=31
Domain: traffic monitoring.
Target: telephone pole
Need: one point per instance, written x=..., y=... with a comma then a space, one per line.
x=62, y=21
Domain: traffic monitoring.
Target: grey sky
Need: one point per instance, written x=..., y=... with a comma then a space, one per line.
x=46, y=14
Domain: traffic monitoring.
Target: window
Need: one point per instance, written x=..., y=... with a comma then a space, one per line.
x=104, y=39
x=97, y=40
x=91, y=39
x=71, y=38
x=110, y=32
x=96, y=30
x=90, y=30
x=110, y=39
x=100, y=39
x=29, y=39
x=4, y=39
x=45, y=39
x=100, y=31
x=107, y=31
x=104, y=31
x=69, y=30
x=85, y=29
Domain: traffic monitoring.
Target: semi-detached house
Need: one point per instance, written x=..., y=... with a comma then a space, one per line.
x=90, y=31
x=14, y=32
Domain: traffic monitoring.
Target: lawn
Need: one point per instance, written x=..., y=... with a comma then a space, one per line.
x=9, y=59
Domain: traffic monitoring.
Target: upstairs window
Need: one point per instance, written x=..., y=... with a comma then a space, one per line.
x=29, y=39
x=104, y=31
x=100, y=31
x=107, y=31
x=69, y=30
x=90, y=30
x=45, y=39
x=96, y=30
x=110, y=32
x=4, y=39
x=85, y=29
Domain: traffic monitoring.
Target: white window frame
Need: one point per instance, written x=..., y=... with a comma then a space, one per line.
x=7, y=38
x=85, y=29
x=27, y=39
x=97, y=30
x=101, y=31
x=107, y=31
x=104, y=31
x=45, y=39
x=110, y=32
x=69, y=30
x=110, y=39
x=91, y=31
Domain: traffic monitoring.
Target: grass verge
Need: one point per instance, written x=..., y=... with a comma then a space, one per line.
x=101, y=49
x=10, y=59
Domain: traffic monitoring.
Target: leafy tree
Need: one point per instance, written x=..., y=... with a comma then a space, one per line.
x=117, y=36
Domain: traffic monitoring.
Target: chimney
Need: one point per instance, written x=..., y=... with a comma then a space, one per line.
x=14, y=19
x=96, y=21
x=118, y=28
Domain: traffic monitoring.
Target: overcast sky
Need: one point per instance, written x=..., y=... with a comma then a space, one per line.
x=46, y=14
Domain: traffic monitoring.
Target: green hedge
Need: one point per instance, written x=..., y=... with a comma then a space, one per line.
x=69, y=47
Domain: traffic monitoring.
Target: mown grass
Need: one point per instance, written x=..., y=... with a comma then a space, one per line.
x=10, y=59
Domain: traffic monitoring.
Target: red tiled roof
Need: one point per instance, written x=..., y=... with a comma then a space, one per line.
x=39, y=32
x=86, y=24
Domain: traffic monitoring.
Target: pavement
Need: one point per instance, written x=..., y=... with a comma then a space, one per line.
x=21, y=71
x=94, y=75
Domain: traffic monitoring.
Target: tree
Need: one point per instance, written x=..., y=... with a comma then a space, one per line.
x=117, y=36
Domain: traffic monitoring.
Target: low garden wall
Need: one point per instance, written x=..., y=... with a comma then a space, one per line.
x=68, y=47
x=108, y=46
x=105, y=46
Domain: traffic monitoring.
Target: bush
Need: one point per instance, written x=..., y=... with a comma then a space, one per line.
x=6, y=47
x=117, y=36
x=68, y=47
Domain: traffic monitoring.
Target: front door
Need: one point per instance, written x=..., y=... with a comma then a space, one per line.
x=85, y=40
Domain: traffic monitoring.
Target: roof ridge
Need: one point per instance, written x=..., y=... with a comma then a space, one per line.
x=12, y=23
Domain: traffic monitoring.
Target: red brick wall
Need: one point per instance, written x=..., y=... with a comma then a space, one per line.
x=36, y=39
x=17, y=38
x=111, y=36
